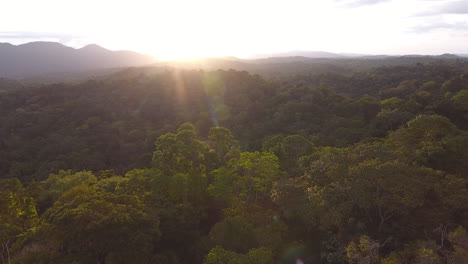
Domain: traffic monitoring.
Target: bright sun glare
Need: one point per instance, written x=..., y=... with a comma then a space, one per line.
x=184, y=54
x=193, y=30
x=186, y=29
x=210, y=29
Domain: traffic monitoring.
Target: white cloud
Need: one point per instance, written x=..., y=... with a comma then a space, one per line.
x=358, y=3
x=459, y=7
x=458, y=26
x=239, y=28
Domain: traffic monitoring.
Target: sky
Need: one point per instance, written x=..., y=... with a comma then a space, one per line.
x=172, y=29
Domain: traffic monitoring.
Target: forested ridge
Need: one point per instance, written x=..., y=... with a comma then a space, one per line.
x=191, y=166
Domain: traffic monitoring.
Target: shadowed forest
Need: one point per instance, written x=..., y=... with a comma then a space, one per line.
x=181, y=166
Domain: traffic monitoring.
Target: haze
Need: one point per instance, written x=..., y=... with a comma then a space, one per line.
x=188, y=29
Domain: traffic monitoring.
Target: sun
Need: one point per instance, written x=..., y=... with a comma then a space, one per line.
x=188, y=53
x=183, y=49
x=205, y=28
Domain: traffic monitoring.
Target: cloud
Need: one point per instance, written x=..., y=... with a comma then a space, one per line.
x=456, y=8
x=18, y=35
x=358, y=3
x=459, y=26
x=459, y=7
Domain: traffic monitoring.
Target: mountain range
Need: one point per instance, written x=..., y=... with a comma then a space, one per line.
x=39, y=58
x=53, y=62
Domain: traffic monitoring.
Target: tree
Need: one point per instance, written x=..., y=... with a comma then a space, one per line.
x=218, y=255
x=223, y=143
x=64, y=180
x=459, y=239
x=249, y=179
x=17, y=215
x=365, y=252
x=432, y=141
x=181, y=153
x=289, y=150
x=108, y=227
x=234, y=234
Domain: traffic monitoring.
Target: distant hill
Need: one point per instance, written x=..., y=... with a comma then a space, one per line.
x=8, y=84
x=308, y=54
x=47, y=62
x=40, y=58
x=280, y=67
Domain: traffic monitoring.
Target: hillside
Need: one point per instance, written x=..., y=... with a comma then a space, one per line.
x=49, y=62
x=40, y=58
x=280, y=67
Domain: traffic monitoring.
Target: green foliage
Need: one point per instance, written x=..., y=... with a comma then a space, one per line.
x=364, y=252
x=218, y=255
x=459, y=239
x=101, y=225
x=461, y=99
x=367, y=167
x=102, y=124
x=289, y=150
x=61, y=182
x=433, y=141
x=248, y=179
x=223, y=143
x=18, y=215
x=392, y=103
x=235, y=234
x=181, y=152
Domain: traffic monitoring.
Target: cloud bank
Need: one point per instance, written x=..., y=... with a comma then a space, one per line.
x=359, y=3
x=459, y=26
x=454, y=8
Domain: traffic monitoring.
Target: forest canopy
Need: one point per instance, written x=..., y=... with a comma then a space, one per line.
x=190, y=166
